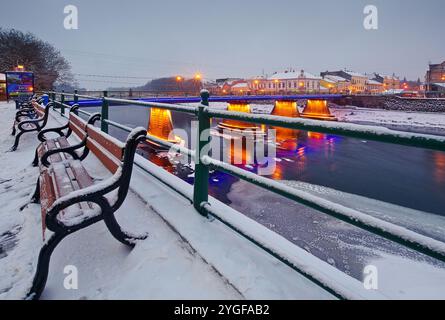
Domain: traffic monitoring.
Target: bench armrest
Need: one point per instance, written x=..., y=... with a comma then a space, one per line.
x=94, y=193
x=32, y=121
x=71, y=150
x=58, y=130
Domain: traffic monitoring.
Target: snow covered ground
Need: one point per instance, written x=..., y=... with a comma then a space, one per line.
x=161, y=267
x=186, y=256
x=422, y=122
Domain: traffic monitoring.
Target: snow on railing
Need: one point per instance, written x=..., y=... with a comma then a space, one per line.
x=390, y=231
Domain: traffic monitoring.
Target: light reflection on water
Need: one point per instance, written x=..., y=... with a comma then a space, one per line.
x=411, y=177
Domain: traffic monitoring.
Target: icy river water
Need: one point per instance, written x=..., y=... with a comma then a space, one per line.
x=403, y=176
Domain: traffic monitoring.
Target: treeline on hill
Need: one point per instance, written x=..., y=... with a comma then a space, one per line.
x=167, y=85
x=51, y=69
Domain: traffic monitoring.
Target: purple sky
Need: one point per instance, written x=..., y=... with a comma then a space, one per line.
x=240, y=38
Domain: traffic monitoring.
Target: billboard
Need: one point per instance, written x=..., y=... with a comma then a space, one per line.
x=19, y=85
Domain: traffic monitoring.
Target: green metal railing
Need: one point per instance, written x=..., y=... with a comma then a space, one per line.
x=203, y=163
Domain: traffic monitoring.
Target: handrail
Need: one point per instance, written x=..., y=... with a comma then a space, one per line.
x=387, y=230
x=172, y=107
x=358, y=131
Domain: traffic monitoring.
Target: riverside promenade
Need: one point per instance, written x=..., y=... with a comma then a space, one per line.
x=184, y=257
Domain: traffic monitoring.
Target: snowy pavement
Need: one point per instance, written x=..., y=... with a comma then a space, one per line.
x=186, y=256
x=206, y=260
x=161, y=267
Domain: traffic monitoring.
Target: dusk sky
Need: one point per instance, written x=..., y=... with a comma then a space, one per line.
x=150, y=39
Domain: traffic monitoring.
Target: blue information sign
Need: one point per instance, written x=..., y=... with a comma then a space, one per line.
x=19, y=85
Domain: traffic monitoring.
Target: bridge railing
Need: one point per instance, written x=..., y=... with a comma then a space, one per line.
x=203, y=163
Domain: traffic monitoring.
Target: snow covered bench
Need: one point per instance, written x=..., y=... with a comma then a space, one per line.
x=70, y=200
x=26, y=108
x=30, y=120
x=50, y=149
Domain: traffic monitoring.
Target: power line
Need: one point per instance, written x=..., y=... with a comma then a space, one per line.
x=114, y=76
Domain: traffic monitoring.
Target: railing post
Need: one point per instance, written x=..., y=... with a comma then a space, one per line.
x=62, y=101
x=104, y=112
x=201, y=184
x=76, y=100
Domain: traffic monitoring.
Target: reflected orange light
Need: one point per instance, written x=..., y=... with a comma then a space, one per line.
x=286, y=109
x=316, y=135
x=237, y=124
x=439, y=166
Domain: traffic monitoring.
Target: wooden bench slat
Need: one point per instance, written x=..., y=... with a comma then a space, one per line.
x=109, y=160
x=47, y=196
x=62, y=180
x=81, y=175
x=109, y=143
x=63, y=142
x=51, y=145
x=78, y=121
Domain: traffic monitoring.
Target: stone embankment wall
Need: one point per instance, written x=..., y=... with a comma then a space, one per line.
x=394, y=103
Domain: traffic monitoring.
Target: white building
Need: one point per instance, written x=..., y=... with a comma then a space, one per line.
x=288, y=82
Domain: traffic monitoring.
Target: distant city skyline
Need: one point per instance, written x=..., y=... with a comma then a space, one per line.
x=139, y=40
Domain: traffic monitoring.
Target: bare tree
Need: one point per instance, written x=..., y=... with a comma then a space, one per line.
x=47, y=63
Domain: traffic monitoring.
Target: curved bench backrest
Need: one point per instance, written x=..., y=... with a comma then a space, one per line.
x=78, y=125
x=107, y=149
x=40, y=110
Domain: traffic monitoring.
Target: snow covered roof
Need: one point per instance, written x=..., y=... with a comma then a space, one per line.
x=293, y=75
x=2, y=77
x=393, y=91
x=440, y=84
x=240, y=85
x=385, y=76
x=370, y=81
x=355, y=74
x=334, y=78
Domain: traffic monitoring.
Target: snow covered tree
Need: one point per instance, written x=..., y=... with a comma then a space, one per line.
x=47, y=63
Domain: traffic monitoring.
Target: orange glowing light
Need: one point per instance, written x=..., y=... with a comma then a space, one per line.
x=237, y=124
x=198, y=76
x=256, y=82
x=20, y=67
x=316, y=135
x=161, y=124
x=439, y=161
x=301, y=84
x=276, y=81
x=178, y=78
x=317, y=109
x=31, y=89
x=286, y=109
